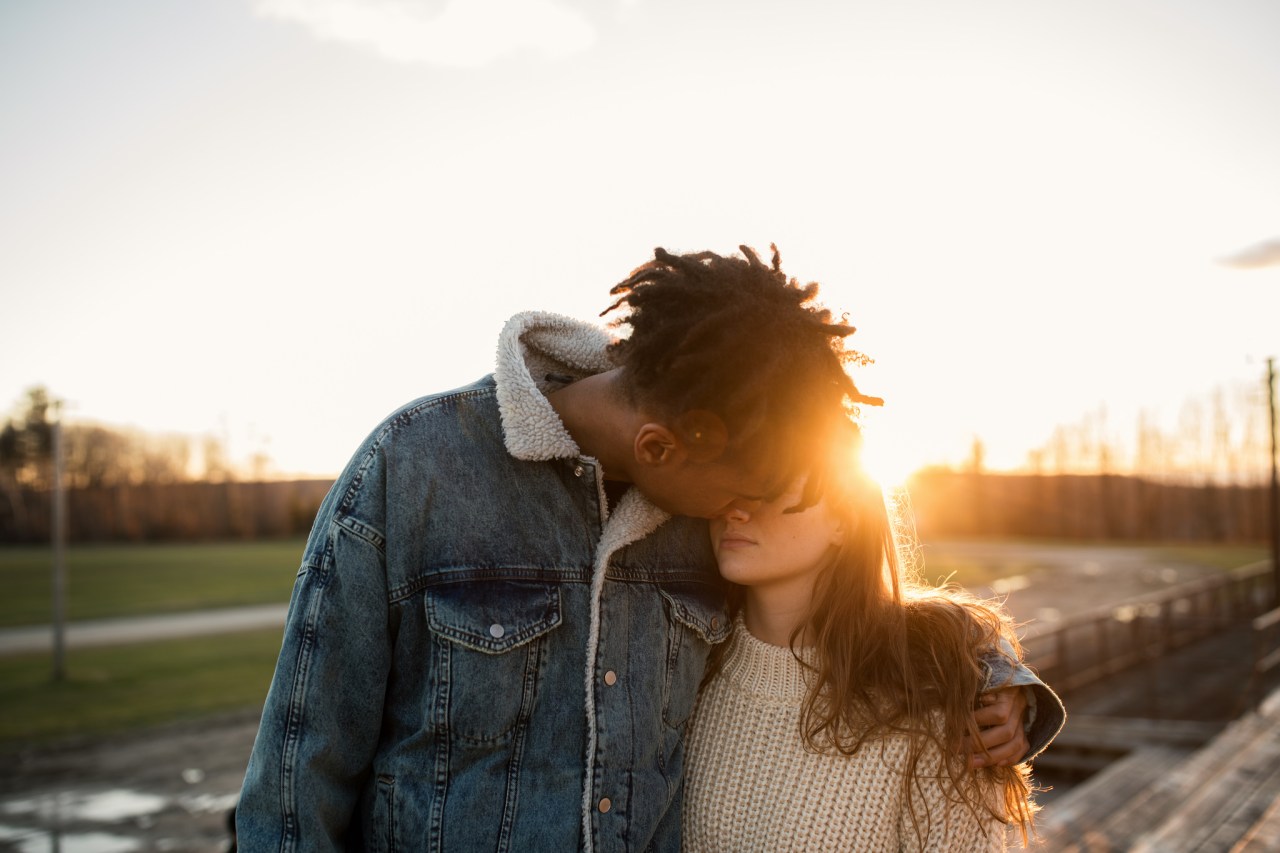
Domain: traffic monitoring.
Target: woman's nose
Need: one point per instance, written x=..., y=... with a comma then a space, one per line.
x=740, y=510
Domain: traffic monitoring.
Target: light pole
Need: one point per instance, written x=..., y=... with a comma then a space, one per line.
x=1275, y=486
x=59, y=548
x=1259, y=256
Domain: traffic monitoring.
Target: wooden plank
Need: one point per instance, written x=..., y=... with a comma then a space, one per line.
x=1071, y=817
x=1269, y=662
x=1126, y=733
x=1147, y=811
x=1246, y=815
x=1169, y=798
x=1077, y=761
x=1223, y=808
x=1264, y=836
x=1267, y=620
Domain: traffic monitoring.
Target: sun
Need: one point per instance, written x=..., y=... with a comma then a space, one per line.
x=890, y=463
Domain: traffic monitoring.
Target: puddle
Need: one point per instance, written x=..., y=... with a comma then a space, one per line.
x=208, y=803
x=134, y=809
x=104, y=807
x=13, y=833
x=111, y=806
x=39, y=841
x=68, y=807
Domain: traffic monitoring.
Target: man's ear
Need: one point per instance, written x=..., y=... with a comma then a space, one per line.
x=656, y=444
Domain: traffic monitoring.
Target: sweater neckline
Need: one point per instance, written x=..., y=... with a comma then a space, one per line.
x=763, y=669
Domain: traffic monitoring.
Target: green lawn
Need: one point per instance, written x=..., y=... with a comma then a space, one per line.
x=124, y=580
x=119, y=687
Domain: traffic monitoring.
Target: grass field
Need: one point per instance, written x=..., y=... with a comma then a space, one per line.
x=113, y=688
x=125, y=580
x=121, y=687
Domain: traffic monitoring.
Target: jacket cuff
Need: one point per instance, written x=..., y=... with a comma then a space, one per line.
x=1050, y=715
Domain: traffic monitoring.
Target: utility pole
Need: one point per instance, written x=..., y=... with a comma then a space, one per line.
x=1275, y=487
x=59, y=549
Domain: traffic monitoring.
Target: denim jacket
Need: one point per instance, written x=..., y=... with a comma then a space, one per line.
x=479, y=654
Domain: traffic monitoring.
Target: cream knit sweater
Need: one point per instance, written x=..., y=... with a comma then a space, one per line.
x=751, y=786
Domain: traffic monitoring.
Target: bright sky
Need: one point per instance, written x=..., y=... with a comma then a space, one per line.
x=277, y=220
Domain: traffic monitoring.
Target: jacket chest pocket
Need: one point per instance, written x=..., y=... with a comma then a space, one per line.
x=697, y=620
x=490, y=636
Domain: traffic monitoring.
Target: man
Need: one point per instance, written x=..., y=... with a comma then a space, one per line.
x=494, y=642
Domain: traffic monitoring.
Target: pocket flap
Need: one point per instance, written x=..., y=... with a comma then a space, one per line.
x=700, y=607
x=493, y=616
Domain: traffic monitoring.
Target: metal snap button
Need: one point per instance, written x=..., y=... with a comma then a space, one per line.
x=496, y=631
x=577, y=470
x=611, y=678
x=605, y=805
x=715, y=623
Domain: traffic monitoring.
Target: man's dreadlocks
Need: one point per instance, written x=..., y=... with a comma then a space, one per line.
x=737, y=339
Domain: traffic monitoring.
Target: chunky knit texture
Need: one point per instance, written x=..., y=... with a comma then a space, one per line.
x=751, y=786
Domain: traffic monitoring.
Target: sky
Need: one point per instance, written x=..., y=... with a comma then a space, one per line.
x=275, y=221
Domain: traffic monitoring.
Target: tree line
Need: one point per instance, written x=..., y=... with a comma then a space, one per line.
x=98, y=456
x=1221, y=437
x=126, y=485
x=948, y=503
x=159, y=512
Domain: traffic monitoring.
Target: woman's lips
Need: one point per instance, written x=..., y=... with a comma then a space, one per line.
x=736, y=541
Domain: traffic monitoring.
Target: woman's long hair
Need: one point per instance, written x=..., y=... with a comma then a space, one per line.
x=894, y=657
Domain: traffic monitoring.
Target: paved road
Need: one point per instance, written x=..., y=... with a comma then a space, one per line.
x=1042, y=584
x=105, y=632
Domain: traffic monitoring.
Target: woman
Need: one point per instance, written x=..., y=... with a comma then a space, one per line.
x=833, y=716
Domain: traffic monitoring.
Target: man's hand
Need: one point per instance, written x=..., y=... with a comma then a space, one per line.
x=999, y=717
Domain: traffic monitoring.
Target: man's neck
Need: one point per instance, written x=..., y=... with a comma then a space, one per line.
x=599, y=419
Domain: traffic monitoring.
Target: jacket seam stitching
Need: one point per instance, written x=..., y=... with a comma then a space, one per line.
x=293, y=721
x=412, y=588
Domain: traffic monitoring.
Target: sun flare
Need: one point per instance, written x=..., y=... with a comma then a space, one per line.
x=890, y=463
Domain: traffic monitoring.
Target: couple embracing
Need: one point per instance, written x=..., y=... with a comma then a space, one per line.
x=634, y=592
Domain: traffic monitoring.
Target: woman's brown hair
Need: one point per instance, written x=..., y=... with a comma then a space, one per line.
x=895, y=657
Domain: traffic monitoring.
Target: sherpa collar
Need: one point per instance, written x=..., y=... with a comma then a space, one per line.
x=532, y=345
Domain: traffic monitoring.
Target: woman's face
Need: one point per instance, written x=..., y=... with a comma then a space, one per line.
x=771, y=546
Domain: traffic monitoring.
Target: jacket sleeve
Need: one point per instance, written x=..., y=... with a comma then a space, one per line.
x=1048, y=714
x=321, y=722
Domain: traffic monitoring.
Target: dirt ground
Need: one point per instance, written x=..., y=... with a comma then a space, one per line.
x=165, y=789
x=169, y=788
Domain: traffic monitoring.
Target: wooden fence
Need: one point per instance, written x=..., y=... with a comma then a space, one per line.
x=1090, y=646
